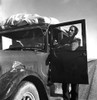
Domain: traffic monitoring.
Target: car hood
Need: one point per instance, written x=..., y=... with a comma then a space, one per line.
x=35, y=61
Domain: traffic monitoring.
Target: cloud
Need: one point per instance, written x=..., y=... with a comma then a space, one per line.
x=2, y=14
x=10, y=7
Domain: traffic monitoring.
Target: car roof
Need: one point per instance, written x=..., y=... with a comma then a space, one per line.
x=24, y=28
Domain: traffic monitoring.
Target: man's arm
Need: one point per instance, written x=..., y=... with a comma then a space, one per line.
x=75, y=44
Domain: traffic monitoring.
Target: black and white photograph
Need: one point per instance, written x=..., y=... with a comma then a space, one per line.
x=48, y=50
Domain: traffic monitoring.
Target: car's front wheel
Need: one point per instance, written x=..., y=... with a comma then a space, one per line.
x=26, y=91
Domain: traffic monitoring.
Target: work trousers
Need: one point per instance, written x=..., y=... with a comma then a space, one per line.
x=70, y=95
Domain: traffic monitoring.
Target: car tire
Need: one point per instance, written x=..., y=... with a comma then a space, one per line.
x=26, y=91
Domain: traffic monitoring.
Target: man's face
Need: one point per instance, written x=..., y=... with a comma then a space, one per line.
x=71, y=31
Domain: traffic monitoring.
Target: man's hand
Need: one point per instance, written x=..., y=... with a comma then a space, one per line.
x=74, y=45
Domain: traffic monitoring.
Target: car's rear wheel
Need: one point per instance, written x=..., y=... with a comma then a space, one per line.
x=26, y=91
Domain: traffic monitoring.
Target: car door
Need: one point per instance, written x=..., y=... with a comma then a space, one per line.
x=66, y=65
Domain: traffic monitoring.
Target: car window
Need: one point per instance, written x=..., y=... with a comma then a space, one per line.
x=28, y=39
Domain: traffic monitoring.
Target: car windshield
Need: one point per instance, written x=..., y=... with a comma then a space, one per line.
x=28, y=40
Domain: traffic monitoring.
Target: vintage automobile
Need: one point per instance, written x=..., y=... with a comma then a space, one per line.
x=26, y=72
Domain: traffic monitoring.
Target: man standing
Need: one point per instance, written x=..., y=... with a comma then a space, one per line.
x=71, y=43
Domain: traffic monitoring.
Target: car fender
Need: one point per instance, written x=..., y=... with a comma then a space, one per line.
x=11, y=79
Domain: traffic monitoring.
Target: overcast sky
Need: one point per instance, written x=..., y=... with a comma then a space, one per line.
x=63, y=10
